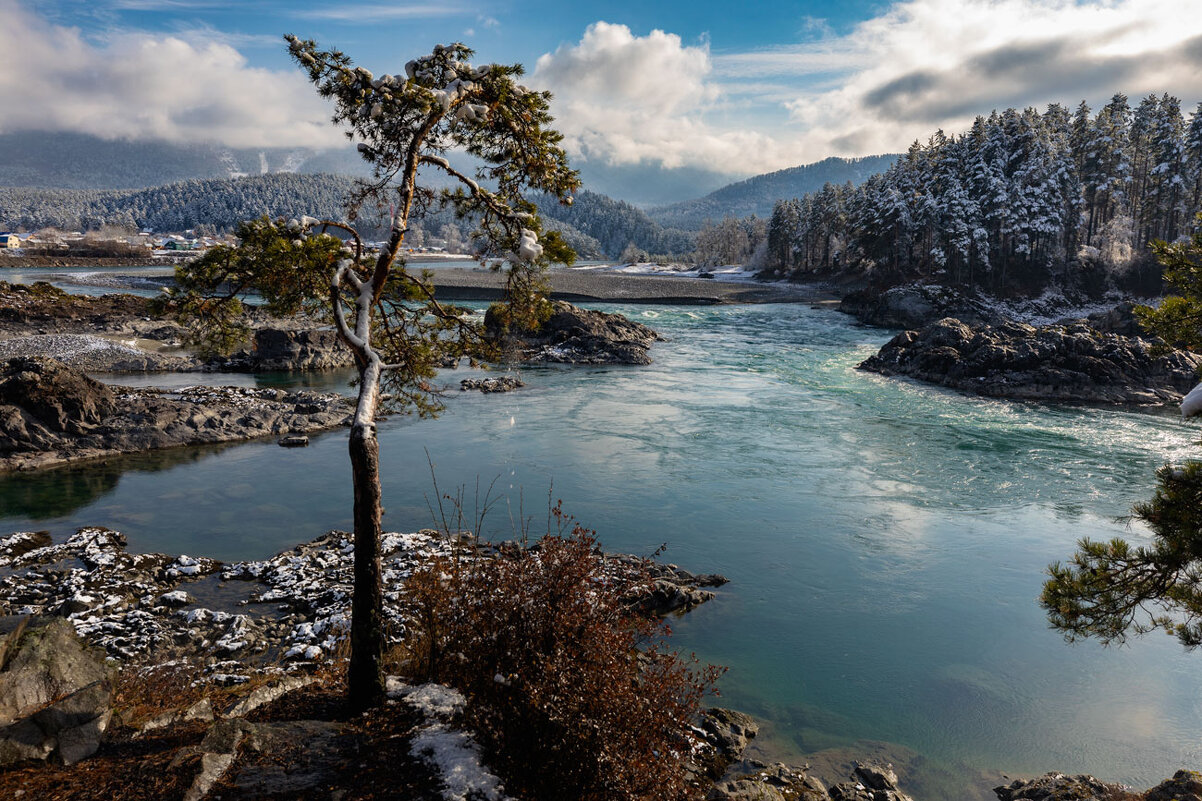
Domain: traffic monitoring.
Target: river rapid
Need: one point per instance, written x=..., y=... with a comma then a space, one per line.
x=885, y=541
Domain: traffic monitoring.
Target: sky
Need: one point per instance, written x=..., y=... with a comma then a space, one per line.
x=732, y=87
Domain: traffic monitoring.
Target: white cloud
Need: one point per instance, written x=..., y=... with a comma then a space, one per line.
x=919, y=65
x=140, y=85
x=925, y=64
x=622, y=99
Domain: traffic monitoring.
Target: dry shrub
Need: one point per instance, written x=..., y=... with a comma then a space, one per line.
x=142, y=691
x=571, y=692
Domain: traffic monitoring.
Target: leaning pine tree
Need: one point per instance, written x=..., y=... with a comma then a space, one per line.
x=387, y=315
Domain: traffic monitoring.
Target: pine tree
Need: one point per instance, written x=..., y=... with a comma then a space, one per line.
x=1193, y=159
x=386, y=315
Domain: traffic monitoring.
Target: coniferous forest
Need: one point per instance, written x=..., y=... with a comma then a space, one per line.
x=1019, y=202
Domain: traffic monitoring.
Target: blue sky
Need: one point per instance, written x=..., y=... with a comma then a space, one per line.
x=736, y=88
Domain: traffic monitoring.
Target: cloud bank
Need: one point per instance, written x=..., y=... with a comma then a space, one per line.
x=918, y=66
x=142, y=86
x=938, y=63
x=621, y=99
x=624, y=99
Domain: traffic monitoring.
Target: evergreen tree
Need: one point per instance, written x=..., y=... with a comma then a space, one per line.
x=1178, y=319
x=1193, y=159
x=386, y=315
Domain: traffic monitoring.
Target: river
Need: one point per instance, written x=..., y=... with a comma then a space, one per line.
x=885, y=541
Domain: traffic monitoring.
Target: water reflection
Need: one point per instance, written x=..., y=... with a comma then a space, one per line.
x=60, y=491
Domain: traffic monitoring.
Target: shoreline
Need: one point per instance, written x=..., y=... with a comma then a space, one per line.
x=596, y=286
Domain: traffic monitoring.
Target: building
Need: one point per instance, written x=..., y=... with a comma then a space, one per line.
x=8, y=240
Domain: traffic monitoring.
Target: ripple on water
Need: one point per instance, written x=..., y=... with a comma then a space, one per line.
x=886, y=540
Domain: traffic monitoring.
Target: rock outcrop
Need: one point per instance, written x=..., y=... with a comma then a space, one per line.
x=779, y=782
x=915, y=305
x=505, y=383
x=290, y=349
x=54, y=696
x=580, y=336
x=51, y=413
x=289, y=606
x=48, y=394
x=1073, y=363
x=1186, y=785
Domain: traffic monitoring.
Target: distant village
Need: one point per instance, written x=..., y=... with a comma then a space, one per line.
x=141, y=245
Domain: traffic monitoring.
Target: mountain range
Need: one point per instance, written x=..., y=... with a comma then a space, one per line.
x=165, y=186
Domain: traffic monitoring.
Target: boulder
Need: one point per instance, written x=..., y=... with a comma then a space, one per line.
x=53, y=394
x=1059, y=787
x=283, y=349
x=778, y=782
x=724, y=735
x=915, y=305
x=54, y=696
x=870, y=782
x=1186, y=785
x=1073, y=363
x=505, y=383
x=580, y=336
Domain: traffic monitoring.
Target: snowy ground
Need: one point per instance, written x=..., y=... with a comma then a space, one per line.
x=730, y=272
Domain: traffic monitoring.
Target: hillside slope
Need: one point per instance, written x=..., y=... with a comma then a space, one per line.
x=758, y=195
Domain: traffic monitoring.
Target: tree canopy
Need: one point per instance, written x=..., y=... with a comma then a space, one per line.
x=1111, y=589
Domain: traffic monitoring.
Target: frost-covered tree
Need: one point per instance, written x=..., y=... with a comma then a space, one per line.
x=1193, y=159
x=1021, y=200
x=1178, y=319
x=731, y=241
x=387, y=315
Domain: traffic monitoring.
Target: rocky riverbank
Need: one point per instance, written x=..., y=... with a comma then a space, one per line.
x=272, y=626
x=292, y=607
x=242, y=703
x=1064, y=363
x=51, y=414
x=119, y=333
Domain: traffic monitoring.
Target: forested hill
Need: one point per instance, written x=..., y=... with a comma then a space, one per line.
x=617, y=225
x=218, y=203
x=77, y=161
x=759, y=194
x=1021, y=201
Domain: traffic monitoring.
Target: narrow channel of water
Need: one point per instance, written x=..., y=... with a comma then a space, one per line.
x=885, y=540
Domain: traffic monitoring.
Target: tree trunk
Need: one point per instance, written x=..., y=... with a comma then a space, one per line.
x=365, y=679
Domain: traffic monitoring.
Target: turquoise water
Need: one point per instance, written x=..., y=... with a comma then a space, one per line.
x=885, y=541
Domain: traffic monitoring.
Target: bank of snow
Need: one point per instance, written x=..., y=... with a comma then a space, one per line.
x=729, y=272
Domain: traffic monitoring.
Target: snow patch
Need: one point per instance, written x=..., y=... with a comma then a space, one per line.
x=1191, y=404
x=432, y=700
x=457, y=757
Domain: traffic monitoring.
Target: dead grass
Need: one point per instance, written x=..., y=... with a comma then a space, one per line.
x=371, y=759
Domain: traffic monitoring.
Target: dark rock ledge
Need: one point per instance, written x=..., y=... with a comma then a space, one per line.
x=51, y=414
x=292, y=606
x=1186, y=785
x=1067, y=363
x=581, y=336
x=117, y=333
